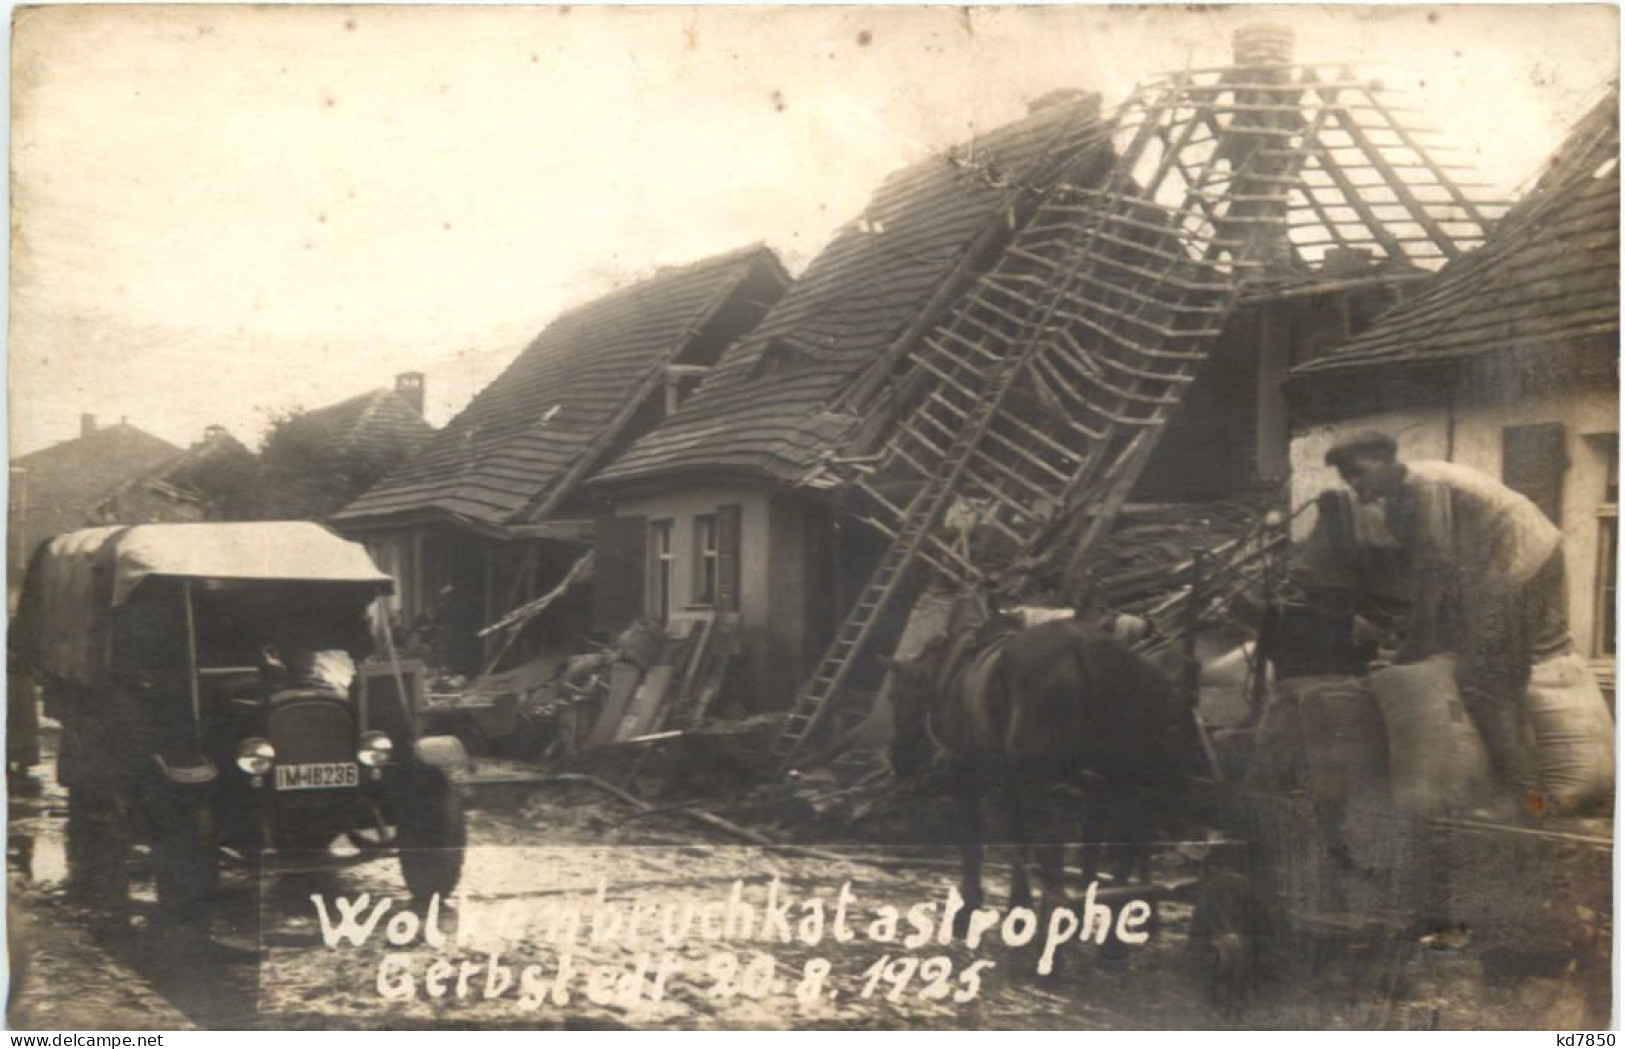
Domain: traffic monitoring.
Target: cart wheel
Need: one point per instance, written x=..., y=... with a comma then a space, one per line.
x=97, y=848
x=431, y=836
x=1227, y=942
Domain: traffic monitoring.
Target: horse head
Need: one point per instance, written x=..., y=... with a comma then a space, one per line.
x=915, y=687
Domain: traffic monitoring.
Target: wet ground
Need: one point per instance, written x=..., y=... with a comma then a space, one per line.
x=542, y=856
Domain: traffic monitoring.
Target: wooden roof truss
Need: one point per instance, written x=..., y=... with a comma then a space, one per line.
x=1039, y=398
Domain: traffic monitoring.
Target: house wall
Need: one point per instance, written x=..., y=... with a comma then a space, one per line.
x=681, y=507
x=1472, y=436
x=783, y=577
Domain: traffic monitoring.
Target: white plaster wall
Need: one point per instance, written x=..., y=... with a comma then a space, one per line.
x=681, y=508
x=1476, y=442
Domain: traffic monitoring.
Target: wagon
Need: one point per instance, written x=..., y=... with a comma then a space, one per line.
x=1300, y=882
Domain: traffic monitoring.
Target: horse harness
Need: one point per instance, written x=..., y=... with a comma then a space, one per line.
x=963, y=656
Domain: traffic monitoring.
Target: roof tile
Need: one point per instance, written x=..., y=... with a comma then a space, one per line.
x=520, y=435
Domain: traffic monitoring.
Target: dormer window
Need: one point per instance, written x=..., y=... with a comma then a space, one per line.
x=681, y=381
x=779, y=357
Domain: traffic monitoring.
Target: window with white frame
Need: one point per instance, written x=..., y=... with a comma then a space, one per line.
x=705, y=559
x=661, y=570
x=389, y=554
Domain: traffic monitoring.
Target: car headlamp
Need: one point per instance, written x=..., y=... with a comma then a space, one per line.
x=255, y=756
x=376, y=750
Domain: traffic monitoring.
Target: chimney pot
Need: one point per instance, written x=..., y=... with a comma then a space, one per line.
x=87, y=424
x=410, y=385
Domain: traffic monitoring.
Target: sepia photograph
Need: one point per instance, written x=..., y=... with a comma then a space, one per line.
x=1068, y=517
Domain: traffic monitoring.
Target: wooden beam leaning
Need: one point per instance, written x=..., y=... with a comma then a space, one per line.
x=1351, y=193
x=1418, y=212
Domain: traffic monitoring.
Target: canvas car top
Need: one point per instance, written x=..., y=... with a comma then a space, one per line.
x=282, y=551
x=77, y=577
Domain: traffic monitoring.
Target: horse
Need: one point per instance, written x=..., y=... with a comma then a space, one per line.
x=1019, y=709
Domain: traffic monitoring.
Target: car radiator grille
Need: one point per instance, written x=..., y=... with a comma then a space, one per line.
x=308, y=731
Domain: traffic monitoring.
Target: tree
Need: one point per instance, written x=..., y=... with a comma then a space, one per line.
x=309, y=473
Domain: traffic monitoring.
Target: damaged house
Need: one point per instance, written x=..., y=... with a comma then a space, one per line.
x=1506, y=361
x=216, y=479
x=1021, y=346
x=491, y=514
x=742, y=458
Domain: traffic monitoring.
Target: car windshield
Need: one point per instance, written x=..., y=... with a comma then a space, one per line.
x=236, y=622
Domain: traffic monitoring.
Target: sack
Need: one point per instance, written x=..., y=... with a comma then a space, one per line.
x=1345, y=740
x=1436, y=758
x=1279, y=762
x=1574, y=734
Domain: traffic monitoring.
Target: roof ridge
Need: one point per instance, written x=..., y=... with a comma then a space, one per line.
x=109, y=428
x=664, y=273
x=549, y=496
x=368, y=412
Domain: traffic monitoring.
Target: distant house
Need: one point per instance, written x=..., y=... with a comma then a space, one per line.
x=56, y=489
x=490, y=513
x=216, y=479
x=1506, y=361
x=314, y=462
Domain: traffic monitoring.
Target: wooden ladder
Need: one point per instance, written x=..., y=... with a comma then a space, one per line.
x=814, y=702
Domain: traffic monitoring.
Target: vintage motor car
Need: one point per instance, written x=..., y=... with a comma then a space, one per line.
x=206, y=679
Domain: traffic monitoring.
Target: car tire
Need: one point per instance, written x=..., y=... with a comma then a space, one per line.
x=431, y=835
x=183, y=863
x=97, y=848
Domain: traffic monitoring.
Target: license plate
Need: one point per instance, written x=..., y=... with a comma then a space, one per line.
x=315, y=777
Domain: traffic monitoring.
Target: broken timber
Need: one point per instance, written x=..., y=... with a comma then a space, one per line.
x=1042, y=392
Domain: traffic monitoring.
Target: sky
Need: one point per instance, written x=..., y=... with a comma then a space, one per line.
x=222, y=213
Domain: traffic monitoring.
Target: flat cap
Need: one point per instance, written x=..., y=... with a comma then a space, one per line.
x=1359, y=441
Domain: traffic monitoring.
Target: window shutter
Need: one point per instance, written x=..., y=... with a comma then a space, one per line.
x=728, y=558
x=1533, y=460
x=696, y=584
x=619, y=546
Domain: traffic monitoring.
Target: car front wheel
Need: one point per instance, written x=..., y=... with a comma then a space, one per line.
x=431, y=835
x=183, y=863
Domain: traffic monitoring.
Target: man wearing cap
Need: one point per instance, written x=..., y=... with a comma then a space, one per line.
x=1488, y=581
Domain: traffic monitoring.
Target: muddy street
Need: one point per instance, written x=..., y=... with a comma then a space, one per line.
x=572, y=913
x=265, y=961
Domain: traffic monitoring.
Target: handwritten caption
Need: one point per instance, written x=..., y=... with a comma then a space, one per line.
x=751, y=941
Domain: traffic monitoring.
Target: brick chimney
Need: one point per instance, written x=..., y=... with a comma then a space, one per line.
x=87, y=424
x=1267, y=108
x=410, y=386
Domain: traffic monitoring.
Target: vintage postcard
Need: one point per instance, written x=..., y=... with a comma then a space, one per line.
x=897, y=518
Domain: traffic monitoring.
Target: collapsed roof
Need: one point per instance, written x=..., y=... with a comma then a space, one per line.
x=187, y=487
x=1034, y=405
x=1546, y=281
